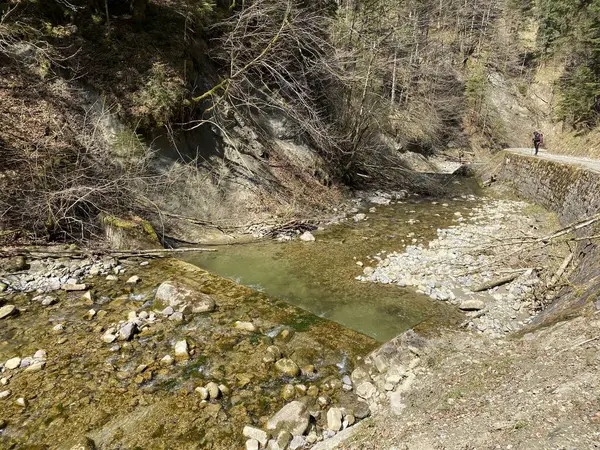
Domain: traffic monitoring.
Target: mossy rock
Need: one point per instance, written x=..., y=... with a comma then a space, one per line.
x=131, y=234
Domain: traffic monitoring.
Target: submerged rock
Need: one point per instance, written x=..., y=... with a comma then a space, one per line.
x=287, y=367
x=307, y=236
x=181, y=350
x=175, y=294
x=245, y=326
x=7, y=311
x=12, y=363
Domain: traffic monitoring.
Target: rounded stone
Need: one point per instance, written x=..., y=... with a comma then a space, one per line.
x=287, y=367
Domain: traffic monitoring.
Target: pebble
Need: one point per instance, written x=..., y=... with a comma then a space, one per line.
x=36, y=366
x=4, y=394
x=73, y=287
x=177, y=316
x=7, y=311
x=167, y=360
x=245, y=326
x=13, y=363
x=213, y=390
x=126, y=331
x=49, y=300
x=109, y=338
x=133, y=280
x=297, y=443
x=202, y=392
x=21, y=402
x=112, y=278
x=287, y=367
x=307, y=236
x=167, y=311
x=288, y=392
x=334, y=419
x=472, y=305
x=181, y=350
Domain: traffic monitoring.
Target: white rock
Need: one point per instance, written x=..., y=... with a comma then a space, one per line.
x=167, y=360
x=255, y=433
x=366, y=390
x=181, y=350
x=133, y=280
x=12, y=363
x=202, y=392
x=246, y=326
x=4, y=394
x=21, y=402
x=252, y=444
x=213, y=390
x=307, y=236
x=334, y=419
x=472, y=305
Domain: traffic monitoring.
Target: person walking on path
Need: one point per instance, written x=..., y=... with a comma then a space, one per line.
x=538, y=139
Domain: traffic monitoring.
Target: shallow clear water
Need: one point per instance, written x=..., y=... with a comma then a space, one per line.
x=320, y=276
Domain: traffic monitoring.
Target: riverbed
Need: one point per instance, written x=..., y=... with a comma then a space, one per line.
x=320, y=276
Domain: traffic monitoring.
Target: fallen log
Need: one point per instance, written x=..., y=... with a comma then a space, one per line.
x=32, y=253
x=495, y=283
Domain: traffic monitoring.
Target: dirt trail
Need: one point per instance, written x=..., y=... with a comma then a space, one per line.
x=587, y=163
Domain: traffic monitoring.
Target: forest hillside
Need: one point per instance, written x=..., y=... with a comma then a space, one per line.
x=228, y=113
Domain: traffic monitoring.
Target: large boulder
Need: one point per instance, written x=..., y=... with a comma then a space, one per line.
x=179, y=297
x=293, y=418
x=130, y=234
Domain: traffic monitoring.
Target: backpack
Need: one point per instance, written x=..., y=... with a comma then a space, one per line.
x=536, y=136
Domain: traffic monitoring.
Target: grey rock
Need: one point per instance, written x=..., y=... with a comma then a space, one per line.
x=126, y=331
x=366, y=390
x=177, y=316
x=297, y=443
x=177, y=294
x=167, y=311
x=361, y=410
x=293, y=418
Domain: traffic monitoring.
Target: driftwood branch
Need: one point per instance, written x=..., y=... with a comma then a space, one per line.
x=561, y=270
x=495, y=283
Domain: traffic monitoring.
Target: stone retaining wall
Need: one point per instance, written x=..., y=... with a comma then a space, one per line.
x=573, y=193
